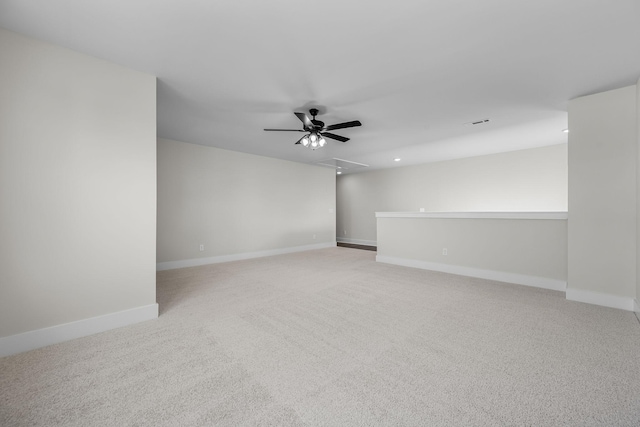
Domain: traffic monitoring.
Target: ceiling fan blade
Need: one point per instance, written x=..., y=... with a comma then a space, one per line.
x=344, y=125
x=334, y=136
x=285, y=130
x=305, y=120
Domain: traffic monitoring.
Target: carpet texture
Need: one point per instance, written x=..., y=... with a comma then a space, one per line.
x=332, y=338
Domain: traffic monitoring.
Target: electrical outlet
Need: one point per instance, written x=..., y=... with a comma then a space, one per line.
x=201, y=248
x=314, y=236
x=444, y=251
x=421, y=209
x=345, y=232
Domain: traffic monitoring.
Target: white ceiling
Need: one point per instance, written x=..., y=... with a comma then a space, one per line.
x=412, y=71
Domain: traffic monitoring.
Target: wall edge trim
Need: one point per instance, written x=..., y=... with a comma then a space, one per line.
x=38, y=338
x=600, y=298
x=500, y=276
x=194, y=262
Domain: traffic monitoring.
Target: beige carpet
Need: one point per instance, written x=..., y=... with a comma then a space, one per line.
x=331, y=338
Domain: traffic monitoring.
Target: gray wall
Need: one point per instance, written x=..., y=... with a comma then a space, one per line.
x=77, y=186
x=534, y=250
x=235, y=203
x=637, y=298
x=602, y=193
x=526, y=180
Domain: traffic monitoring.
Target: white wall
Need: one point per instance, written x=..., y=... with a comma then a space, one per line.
x=517, y=250
x=235, y=203
x=77, y=188
x=637, y=298
x=602, y=195
x=526, y=180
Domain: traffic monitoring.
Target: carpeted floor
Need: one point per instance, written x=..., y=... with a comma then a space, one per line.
x=332, y=338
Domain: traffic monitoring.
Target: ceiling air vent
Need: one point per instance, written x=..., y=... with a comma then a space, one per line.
x=477, y=122
x=341, y=164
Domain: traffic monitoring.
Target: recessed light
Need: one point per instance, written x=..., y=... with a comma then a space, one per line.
x=397, y=159
x=565, y=130
x=339, y=173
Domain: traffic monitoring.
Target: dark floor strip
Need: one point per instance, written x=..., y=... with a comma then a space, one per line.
x=352, y=246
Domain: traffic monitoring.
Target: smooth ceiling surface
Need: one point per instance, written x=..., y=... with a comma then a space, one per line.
x=414, y=72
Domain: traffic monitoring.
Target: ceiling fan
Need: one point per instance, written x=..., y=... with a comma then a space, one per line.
x=317, y=131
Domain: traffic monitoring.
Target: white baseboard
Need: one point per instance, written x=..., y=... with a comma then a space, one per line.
x=56, y=334
x=500, y=276
x=599, y=298
x=170, y=265
x=636, y=306
x=357, y=241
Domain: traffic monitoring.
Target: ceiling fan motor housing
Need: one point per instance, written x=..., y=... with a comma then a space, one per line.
x=317, y=123
x=317, y=130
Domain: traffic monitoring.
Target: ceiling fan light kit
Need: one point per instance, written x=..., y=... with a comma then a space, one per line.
x=317, y=131
x=313, y=141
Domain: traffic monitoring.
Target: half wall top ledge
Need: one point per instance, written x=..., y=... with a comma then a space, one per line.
x=475, y=215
